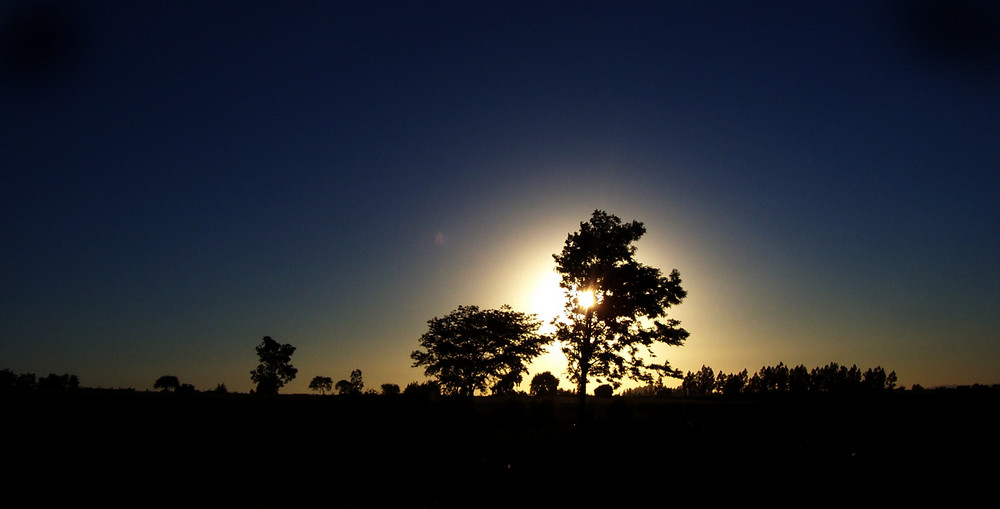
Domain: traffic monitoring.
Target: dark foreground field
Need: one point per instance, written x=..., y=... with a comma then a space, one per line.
x=168, y=450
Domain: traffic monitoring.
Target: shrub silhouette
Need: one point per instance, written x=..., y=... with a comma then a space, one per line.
x=544, y=384
x=167, y=383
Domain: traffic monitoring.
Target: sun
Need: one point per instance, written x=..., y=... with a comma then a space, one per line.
x=549, y=300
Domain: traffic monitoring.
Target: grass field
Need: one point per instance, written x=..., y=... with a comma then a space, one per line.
x=121, y=448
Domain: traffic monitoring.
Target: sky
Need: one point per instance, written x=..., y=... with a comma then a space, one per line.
x=180, y=179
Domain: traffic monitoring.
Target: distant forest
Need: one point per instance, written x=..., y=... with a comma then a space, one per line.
x=832, y=378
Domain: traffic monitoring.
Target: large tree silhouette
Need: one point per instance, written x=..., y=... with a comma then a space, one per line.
x=275, y=368
x=616, y=305
x=472, y=350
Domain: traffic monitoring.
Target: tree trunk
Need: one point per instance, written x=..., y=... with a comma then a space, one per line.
x=582, y=389
x=585, y=351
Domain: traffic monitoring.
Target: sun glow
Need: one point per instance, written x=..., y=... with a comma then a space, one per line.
x=548, y=301
x=585, y=298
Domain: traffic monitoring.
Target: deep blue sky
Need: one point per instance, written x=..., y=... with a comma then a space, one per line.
x=183, y=178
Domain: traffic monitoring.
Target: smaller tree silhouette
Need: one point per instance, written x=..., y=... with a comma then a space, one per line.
x=604, y=391
x=730, y=385
x=473, y=350
x=275, y=368
x=59, y=383
x=322, y=384
x=426, y=390
x=167, y=383
x=357, y=385
x=798, y=379
x=544, y=384
x=344, y=387
x=25, y=382
x=390, y=390
x=700, y=383
x=353, y=386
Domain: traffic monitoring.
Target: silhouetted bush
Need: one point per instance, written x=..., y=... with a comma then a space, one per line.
x=354, y=386
x=322, y=384
x=428, y=389
x=604, y=391
x=544, y=384
x=167, y=383
x=390, y=390
x=28, y=382
x=58, y=383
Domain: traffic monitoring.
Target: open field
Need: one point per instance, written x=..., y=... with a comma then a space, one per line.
x=152, y=449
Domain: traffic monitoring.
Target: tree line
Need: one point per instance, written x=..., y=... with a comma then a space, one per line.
x=832, y=378
x=28, y=382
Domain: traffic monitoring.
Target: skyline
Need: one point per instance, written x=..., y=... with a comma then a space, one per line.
x=183, y=179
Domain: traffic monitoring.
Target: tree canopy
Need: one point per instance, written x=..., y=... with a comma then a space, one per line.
x=616, y=305
x=472, y=349
x=167, y=383
x=322, y=384
x=353, y=386
x=544, y=384
x=275, y=368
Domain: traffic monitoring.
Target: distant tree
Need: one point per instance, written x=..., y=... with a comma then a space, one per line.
x=344, y=387
x=428, y=389
x=187, y=389
x=275, y=368
x=544, y=384
x=730, y=385
x=59, y=383
x=876, y=379
x=357, y=385
x=8, y=380
x=472, y=350
x=653, y=390
x=321, y=384
x=699, y=383
x=836, y=378
x=167, y=383
x=220, y=389
x=25, y=382
x=798, y=379
x=850, y=378
x=604, y=391
x=770, y=379
x=616, y=306
x=390, y=390
x=353, y=386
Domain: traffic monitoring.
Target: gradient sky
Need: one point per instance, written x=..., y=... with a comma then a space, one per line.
x=183, y=178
